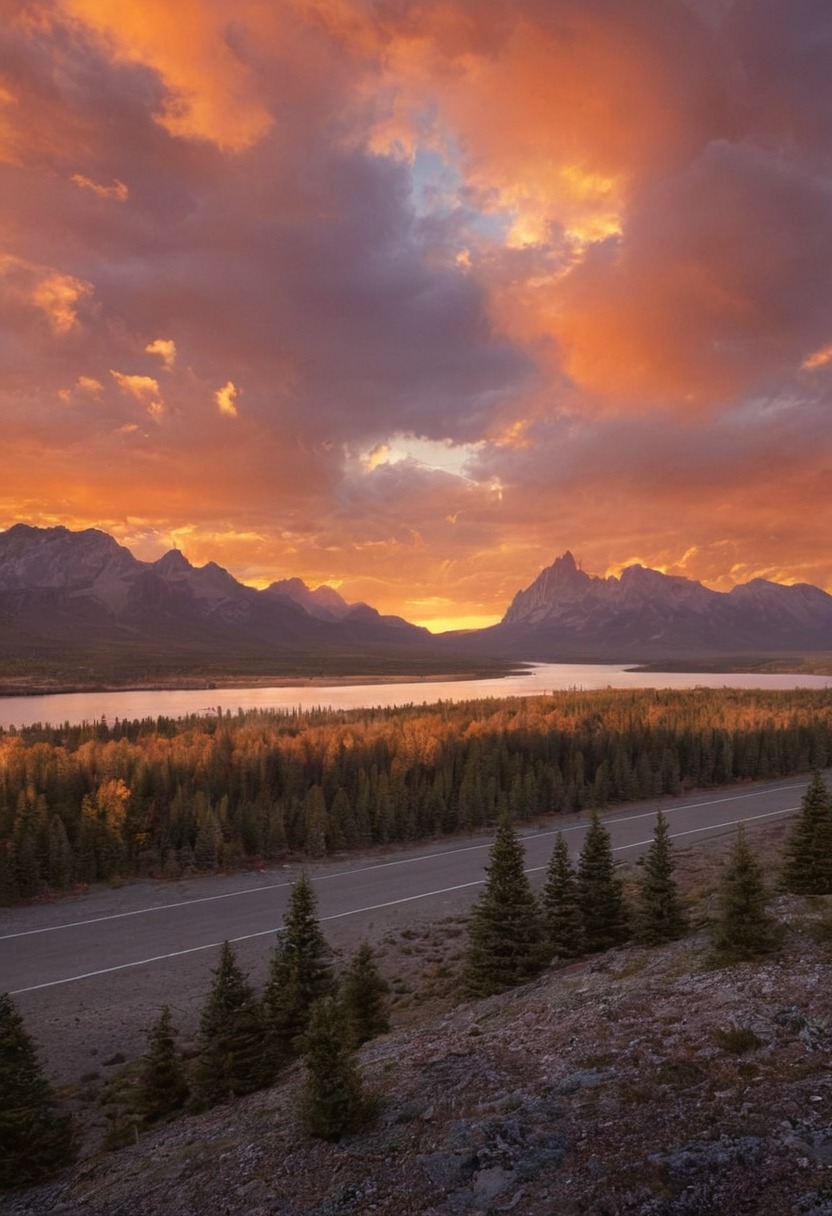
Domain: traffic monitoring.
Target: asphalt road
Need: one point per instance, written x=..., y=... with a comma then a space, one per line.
x=80, y=970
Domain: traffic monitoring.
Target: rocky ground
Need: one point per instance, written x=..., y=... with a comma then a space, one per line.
x=641, y=1081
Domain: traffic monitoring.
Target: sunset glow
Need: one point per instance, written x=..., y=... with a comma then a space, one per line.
x=410, y=298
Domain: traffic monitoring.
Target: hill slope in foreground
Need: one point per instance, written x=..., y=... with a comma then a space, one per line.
x=640, y=1082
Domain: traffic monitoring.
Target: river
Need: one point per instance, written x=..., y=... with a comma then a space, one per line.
x=78, y=707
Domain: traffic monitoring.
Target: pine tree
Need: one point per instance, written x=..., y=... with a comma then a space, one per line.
x=505, y=945
x=230, y=1054
x=35, y=1139
x=743, y=929
x=562, y=920
x=363, y=997
x=9, y=890
x=300, y=973
x=600, y=896
x=660, y=916
x=162, y=1085
x=60, y=860
x=808, y=866
x=333, y=1103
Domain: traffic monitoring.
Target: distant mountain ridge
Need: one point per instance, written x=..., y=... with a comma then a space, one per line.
x=65, y=593
x=644, y=614
x=63, y=589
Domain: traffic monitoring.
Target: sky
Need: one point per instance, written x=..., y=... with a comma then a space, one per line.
x=411, y=296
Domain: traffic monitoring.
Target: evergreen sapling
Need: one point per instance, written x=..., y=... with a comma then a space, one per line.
x=230, y=1060
x=36, y=1140
x=660, y=916
x=562, y=920
x=743, y=929
x=505, y=945
x=333, y=1103
x=300, y=973
x=162, y=1085
x=600, y=893
x=364, y=997
x=808, y=866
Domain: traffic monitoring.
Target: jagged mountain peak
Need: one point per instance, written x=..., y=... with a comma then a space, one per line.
x=323, y=602
x=57, y=557
x=565, y=569
x=173, y=562
x=26, y=539
x=644, y=613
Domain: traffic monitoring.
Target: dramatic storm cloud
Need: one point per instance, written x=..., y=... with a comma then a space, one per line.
x=410, y=297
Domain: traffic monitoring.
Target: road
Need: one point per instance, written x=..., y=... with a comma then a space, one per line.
x=82, y=968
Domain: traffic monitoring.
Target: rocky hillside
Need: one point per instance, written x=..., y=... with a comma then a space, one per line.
x=638, y=1083
x=644, y=614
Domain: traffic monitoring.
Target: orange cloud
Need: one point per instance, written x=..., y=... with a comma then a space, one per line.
x=226, y=399
x=144, y=389
x=211, y=90
x=820, y=358
x=88, y=384
x=165, y=349
x=118, y=191
x=57, y=296
x=9, y=132
x=557, y=115
x=557, y=119
x=53, y=293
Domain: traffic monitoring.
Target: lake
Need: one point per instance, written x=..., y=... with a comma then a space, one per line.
x=78, y=707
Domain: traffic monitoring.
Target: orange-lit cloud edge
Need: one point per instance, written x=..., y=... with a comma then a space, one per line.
x=411, y=300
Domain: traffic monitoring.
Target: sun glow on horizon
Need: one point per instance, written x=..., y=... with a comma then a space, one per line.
x=448, y=624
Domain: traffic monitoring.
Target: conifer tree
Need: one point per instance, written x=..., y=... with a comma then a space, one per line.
x=505, y=944
x=162, y=1085
x=9, y=890
x=300, y=973
x=562, y=920
x=660, y=916
x=600, y=896
x=808, y=866
x=743, y=929
x=60, y=860
x=36, y=1140
x=230, y=1051
x=363, y=997
x=333, y=1102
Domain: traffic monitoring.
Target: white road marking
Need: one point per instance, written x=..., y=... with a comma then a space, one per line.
x=159, y=958
x=401, y=861
x=712, y=827
x=392, y=903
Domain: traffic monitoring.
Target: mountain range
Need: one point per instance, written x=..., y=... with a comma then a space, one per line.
x=65, y=593
x=645, y=615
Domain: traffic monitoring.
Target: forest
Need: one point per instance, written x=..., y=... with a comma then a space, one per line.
x=165, y=797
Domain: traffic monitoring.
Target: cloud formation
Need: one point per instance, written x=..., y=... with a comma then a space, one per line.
x=496, y=281
x=226, y=399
